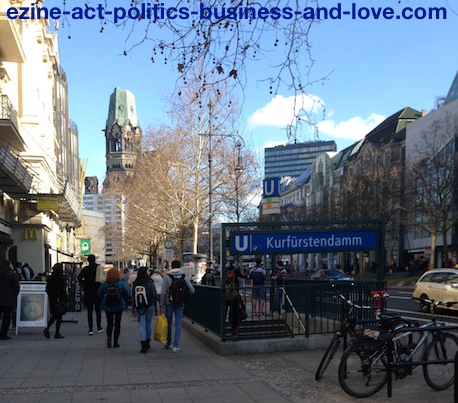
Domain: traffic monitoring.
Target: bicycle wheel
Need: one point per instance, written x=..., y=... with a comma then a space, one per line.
x=327, y=357
x=406, y=341
x=441, y=376
x=362, y=370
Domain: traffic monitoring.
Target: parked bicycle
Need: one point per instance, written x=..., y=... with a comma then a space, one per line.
x=363, y=367
x=348, y=326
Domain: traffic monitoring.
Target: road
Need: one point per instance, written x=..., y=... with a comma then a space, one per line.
x=401, y=302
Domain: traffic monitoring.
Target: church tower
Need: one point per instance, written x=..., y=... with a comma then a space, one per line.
x=123, y=136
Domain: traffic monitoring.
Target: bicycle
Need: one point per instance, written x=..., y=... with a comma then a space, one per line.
x=363, y=367
x=347, y=327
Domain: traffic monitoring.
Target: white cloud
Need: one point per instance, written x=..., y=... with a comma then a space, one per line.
x=280, y=111
x=354, y=128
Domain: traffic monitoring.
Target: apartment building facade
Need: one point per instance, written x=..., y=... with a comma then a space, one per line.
x=360, y=182
x=40, y=196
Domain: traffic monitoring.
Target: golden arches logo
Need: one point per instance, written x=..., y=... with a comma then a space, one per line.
x=30, y=234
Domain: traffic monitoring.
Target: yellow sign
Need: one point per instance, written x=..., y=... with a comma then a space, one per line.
x=31, y=233
x=48, y=203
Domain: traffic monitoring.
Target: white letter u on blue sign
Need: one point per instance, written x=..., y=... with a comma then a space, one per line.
x=271, y=187
x=242, y=243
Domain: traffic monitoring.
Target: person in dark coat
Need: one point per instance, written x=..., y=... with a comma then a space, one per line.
x=9, y=289
x=57, y=296
x=208, y=278
x=234, y=304
x=237, y=274
x=87, y=278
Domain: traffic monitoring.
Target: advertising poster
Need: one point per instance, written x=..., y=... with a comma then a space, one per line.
x=32, y=305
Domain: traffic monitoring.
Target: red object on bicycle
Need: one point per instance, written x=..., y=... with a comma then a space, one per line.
x=378, y=296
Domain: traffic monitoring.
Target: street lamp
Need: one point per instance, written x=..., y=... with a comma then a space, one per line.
x=240, y=144
x=238, y=172
x=239, y=168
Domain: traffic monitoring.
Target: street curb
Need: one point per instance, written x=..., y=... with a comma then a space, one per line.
x=255, y=346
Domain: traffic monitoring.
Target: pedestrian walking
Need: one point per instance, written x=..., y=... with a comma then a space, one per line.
x=130, y=280
x=174, y=294
x=157, y=278
x=144, y=297
x=87, y=279
x=58, y=299
x=113, y=296
x=9, y=289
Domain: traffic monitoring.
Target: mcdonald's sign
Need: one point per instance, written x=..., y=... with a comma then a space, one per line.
x=31, y=233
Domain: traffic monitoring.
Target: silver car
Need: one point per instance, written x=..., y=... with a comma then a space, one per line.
x=439, y=285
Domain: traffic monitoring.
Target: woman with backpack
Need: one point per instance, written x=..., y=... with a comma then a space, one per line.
x=144, y=297
x=113, y=296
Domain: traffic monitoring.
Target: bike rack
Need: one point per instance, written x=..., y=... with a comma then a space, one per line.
x=391, y=364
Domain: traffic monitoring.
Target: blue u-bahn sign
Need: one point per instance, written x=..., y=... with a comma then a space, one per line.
x=251, y=243
x=271, y=187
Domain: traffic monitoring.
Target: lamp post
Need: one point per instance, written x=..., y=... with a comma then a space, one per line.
x=238, y=172
x=210, y=194
x=239, y=169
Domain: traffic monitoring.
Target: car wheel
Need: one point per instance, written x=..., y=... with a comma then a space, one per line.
x=424, y=307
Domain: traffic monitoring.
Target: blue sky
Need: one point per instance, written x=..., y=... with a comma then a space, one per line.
x=375, y=67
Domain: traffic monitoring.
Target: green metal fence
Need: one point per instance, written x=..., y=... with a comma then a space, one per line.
x=308, y=308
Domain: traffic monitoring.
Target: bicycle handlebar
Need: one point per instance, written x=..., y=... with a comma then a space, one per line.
x=351, y=303
x=435, y=303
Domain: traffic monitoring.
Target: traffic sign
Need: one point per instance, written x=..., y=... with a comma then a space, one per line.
x=85, y=246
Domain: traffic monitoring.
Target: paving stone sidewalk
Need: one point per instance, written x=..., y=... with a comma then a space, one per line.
x=79, y=368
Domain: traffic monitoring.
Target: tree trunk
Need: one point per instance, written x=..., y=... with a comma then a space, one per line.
x=432, y=260
x=445, y=248
x=195, y=234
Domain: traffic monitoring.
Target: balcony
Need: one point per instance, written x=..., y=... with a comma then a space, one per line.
x=9, y=133
x=70, y=206
x=10, y=45
x=66, y=204
x=15, y=180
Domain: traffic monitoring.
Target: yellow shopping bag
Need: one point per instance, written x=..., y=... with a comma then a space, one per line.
x=160, y=330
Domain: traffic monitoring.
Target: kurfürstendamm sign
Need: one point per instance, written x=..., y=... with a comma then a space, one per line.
x=245, y=243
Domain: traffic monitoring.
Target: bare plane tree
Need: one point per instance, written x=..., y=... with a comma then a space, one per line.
x=168, y=195
x=431, y=184
x=371, y=189
x=220, y=40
